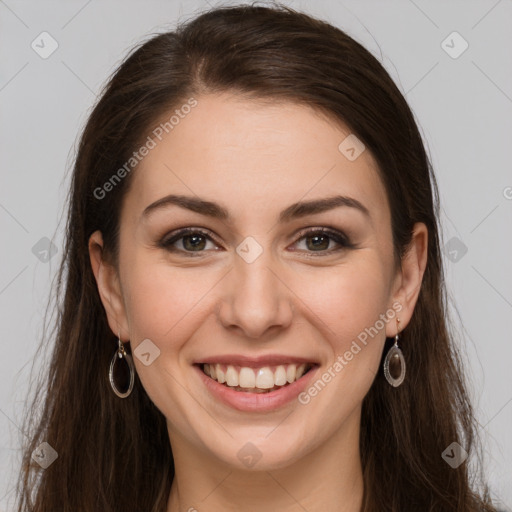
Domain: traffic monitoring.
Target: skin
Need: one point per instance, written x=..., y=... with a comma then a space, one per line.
x=256, y=159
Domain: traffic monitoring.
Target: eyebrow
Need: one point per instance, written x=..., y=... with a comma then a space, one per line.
x=296, y=210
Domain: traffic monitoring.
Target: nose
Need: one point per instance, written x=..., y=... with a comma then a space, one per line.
x=256, y=300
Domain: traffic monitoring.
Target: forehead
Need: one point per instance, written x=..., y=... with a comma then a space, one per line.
x=253, y=156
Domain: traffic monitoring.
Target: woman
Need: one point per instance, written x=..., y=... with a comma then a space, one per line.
x=254, y=310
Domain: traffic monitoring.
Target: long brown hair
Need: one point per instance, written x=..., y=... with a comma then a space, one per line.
x=114, y=454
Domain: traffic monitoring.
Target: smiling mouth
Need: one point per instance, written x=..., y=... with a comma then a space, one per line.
x=256, y=380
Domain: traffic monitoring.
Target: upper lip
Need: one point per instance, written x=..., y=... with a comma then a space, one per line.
x=254, y=362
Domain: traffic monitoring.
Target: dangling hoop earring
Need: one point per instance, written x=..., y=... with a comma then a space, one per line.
x=121, y=354
x=394, y=362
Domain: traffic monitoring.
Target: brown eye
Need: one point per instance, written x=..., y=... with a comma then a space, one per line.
x=188, y=240
x=320, y=241
x=193, y=242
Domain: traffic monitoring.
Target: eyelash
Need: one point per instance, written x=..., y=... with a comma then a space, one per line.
x=334, y=235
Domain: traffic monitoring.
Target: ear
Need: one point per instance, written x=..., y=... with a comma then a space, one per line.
x=408, y=281
x=109, y=287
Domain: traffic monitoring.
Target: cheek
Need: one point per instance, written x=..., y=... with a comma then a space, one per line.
x=162, y=300
x=164, y=305
x=348, y=302
x=347, y=299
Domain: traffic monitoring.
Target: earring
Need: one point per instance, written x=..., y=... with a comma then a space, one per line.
x=120, y=373
x=394, y=363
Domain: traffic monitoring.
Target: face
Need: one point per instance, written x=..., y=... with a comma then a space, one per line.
x=296, y=301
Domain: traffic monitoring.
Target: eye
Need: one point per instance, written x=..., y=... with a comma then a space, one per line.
x=188, y=240
x=319, y=239
x=195, y=240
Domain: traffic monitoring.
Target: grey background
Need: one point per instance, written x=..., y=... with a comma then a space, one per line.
x=463, y=106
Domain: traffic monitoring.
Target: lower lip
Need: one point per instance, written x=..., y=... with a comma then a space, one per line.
x=259, y=402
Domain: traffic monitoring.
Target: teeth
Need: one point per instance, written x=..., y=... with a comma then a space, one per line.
x=280, y=376
x=291, y=372
x=221, y=376
x=301, y=370
x=265, y=378
x=246, y=378
x=231, y=376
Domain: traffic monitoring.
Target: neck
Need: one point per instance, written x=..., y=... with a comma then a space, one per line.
x=328, y=478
